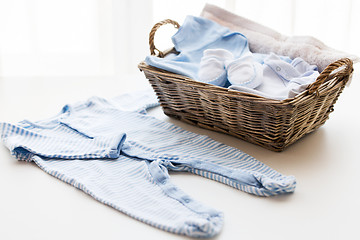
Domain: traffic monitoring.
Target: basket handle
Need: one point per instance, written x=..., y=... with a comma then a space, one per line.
x=327, y=74
x=152, y=35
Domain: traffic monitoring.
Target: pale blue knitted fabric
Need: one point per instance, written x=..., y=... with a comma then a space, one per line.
x=194, y=36
x=122, y=158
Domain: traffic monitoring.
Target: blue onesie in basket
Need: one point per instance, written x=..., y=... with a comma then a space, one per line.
x=193, y=37
x=122, y=158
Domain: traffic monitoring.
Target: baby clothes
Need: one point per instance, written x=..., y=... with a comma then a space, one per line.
x=122, y=158
x=280, y=78
x=211, y=53
x=193, y=37
x=270, y=76
x=212, y=66
x=245, y=71
x=218, y=67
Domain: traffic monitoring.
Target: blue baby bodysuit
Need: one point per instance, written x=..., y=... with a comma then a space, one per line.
x=193, y=37
x=122, y=158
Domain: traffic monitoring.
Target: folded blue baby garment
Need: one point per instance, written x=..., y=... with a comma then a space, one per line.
x=122, y=158
x=193, y=37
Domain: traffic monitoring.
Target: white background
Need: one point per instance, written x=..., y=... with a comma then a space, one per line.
x=109, y=37
x=56, y=52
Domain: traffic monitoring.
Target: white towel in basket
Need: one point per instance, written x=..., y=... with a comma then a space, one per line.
x=266, y=40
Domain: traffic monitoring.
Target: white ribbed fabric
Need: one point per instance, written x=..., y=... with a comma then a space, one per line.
x=132, y=175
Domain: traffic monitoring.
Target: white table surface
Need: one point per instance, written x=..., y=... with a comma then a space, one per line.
x=326, y=163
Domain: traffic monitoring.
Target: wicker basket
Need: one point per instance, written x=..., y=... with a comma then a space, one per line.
x=272, y=124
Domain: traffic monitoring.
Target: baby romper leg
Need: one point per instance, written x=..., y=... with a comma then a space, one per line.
x=139, y=189
x=181, y=150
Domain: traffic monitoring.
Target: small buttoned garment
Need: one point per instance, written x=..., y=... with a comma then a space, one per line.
x=122, y=158
x=281, y=78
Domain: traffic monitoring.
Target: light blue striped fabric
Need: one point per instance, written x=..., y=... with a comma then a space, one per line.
x=122, y=158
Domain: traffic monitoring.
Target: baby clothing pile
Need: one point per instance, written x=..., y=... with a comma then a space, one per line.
x=265, y=75
x=211, y=53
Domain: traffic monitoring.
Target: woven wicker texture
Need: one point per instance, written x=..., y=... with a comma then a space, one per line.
x=272, y=124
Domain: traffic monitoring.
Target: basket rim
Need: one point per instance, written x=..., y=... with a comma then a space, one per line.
x=156, y=72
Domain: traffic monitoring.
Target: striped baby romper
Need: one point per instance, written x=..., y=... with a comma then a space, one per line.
x=119, y=155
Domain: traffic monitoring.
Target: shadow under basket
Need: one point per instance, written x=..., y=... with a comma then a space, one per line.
x=272, y=124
